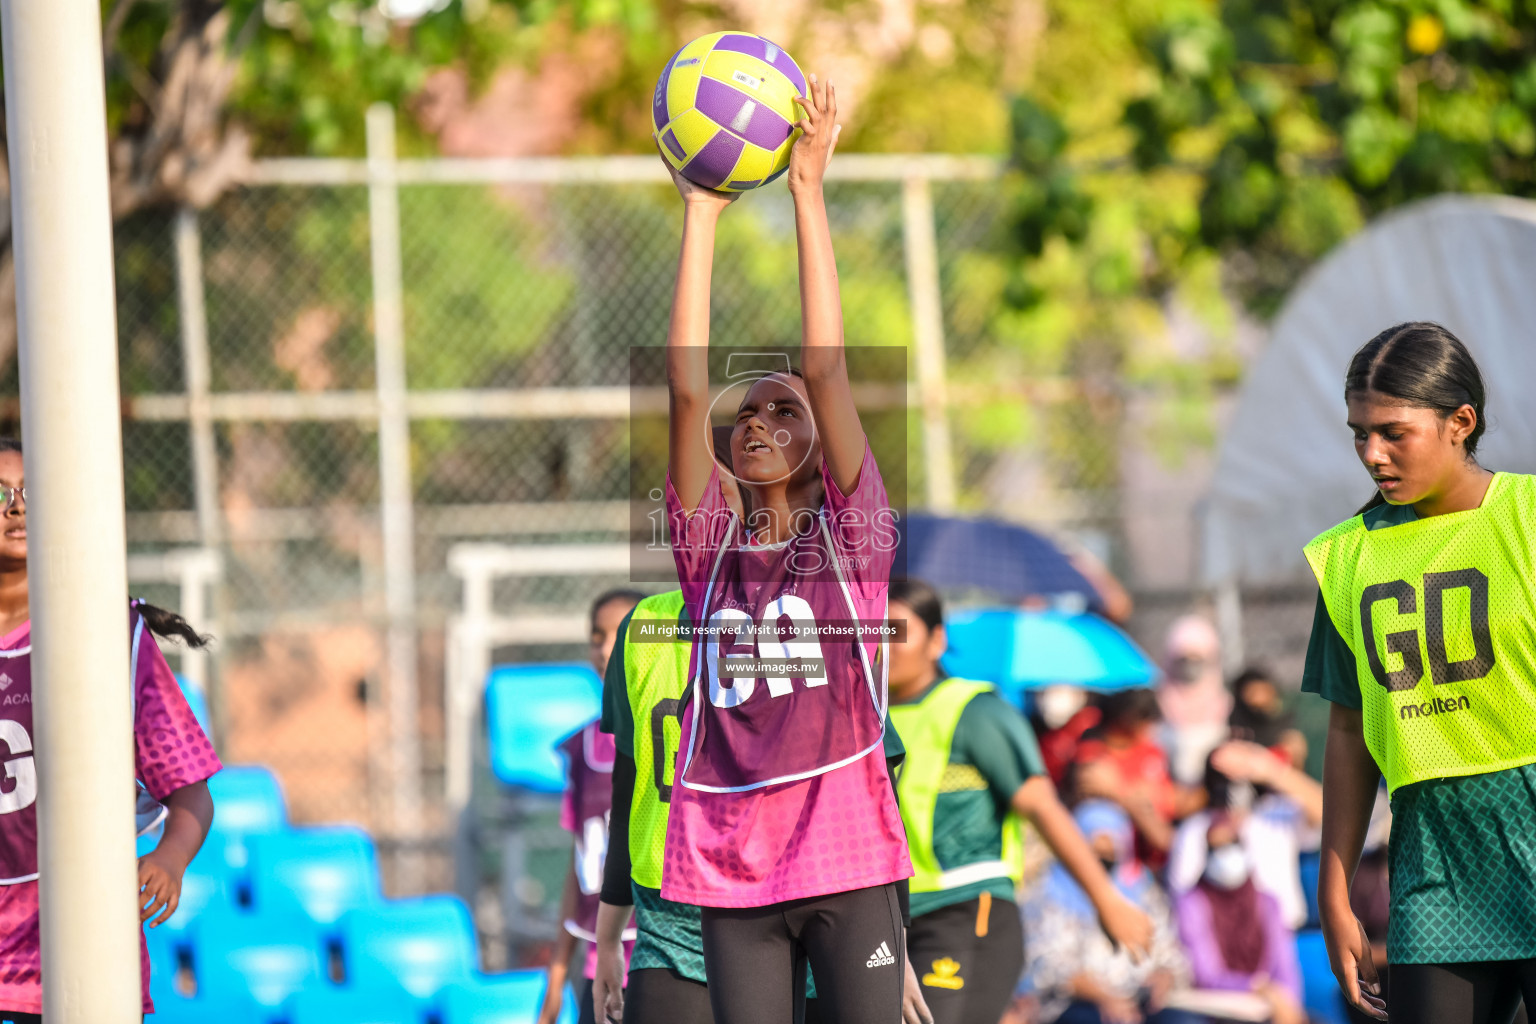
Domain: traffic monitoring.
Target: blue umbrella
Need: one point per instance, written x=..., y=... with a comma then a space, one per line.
x=1004, y=558
x=1021, y=650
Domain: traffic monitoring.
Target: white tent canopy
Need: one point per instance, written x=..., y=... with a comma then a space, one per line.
x=1287, y=468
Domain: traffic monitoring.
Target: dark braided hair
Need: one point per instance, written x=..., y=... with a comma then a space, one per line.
x=1421, y=364
x=162, y=623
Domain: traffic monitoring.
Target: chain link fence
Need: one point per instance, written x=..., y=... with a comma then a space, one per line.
x=253, y=404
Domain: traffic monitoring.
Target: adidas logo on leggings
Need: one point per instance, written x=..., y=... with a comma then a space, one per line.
x=881, y=957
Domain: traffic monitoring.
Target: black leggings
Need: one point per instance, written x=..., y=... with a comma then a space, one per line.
x=1477, y=993
x=756, y=958
x=11, y=1017
x=656, y=995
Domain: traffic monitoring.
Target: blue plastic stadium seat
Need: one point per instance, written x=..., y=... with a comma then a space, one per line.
x=418, y=944
x=320, y=872
x=233, y=1010
x=528, y=709
x=202, y=892
x=174, y=1001
x=1323, y=1001
x=264, y=958
x=511, y=998
x=247, y=801
x=165, y=950
x=330, y=1005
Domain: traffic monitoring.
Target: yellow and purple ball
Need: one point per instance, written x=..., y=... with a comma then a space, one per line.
x=724, y=110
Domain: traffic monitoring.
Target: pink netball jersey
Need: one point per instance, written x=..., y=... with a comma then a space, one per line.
x=783, y=791
x=170, y=751
x=589, y=753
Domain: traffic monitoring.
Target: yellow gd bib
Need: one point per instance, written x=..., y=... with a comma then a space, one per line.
x=655, y=676
x=1441, y=616
x=927, y=730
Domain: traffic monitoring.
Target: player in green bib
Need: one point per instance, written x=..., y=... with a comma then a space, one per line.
x=972, y=774
x=646, y=678
x=1425, y=642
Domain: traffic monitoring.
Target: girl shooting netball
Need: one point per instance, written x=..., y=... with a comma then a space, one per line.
x=784, y=825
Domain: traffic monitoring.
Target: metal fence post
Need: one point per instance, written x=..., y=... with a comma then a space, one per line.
x=197, y=373
x=396, y=514
x=1229, y=626
x=922, y=252
x=196, y=369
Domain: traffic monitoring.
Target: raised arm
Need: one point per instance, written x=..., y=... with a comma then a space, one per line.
x=821, y=307
x=1240, y=759
x=690, y=453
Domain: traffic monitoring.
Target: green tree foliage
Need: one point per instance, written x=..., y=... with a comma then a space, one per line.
x=314, y=66
x=1180, y=160
x=1299, y=119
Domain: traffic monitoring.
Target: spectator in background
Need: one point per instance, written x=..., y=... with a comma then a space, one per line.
x=1235, y=935
x=1271, y=805
x=1060, y=715
x=1118, y=760
x=1193, y=697
x=1259, y=716
x=1073, y=971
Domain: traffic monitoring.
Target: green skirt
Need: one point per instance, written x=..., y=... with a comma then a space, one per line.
x=1462, y=858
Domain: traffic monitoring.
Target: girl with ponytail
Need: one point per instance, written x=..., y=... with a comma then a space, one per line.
x=173, y=760
x=1424, y=641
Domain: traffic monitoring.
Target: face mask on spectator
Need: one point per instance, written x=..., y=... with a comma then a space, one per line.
x=1057, y=704
x=1186, y=669
x=1226, y=867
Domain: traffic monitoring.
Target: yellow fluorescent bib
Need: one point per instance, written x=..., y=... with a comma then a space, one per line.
x=927, y=730
x=655, y=676
x=1441, y=616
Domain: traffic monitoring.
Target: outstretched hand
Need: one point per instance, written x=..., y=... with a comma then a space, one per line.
x=819, y=129
x=1127, y=926
x=696, y=194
